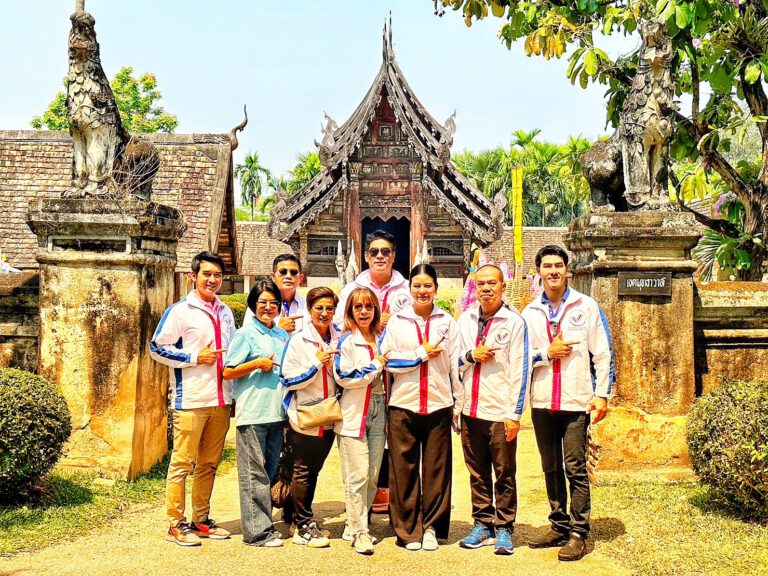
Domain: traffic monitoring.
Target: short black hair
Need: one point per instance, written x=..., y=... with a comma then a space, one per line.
x=260, y=287
x=206, y=256
x=551, y=250
x=380, y=235
x=285, y=257
x=427, y=269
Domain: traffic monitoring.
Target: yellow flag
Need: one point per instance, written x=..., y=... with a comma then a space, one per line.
x=517, y=219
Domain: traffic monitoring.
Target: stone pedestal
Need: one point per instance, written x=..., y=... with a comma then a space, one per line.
x=653, y=335
x=106, y=276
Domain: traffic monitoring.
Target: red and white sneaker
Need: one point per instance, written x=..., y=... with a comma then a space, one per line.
x=182, y=535
x=209, y=529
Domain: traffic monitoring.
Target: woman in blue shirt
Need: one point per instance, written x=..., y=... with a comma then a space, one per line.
x=252, y=364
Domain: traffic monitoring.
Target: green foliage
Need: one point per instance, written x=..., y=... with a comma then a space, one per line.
x=238, y=303
x=307, y=167
x=137, y=100
x=35, y=424
x=727, y=437
x=254, y=178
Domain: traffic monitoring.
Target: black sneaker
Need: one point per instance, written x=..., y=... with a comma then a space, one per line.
x=573, y=550
x=550, y=539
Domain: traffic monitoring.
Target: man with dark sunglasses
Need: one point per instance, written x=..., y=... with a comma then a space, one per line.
x=287, y=275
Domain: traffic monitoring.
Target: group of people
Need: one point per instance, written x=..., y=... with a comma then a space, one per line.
x=401, y=374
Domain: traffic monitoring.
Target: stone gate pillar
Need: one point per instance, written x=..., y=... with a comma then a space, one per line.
x=638, y=267
x=106, y=276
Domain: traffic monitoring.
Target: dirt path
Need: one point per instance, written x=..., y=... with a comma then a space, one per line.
x=135, y=545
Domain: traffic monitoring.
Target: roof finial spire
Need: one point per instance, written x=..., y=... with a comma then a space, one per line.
x=79, y=5
x=387, y=50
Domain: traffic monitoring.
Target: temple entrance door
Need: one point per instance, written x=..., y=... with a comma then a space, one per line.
x=400, y=228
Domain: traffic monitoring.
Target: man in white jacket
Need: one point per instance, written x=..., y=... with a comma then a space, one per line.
x=495, y=364
x=190, y=339
x=572, y=382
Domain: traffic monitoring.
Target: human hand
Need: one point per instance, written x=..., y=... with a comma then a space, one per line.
x=511, y=428
x=434, y=350
x=599, y=406
x=288, y=323
x=383, y=358
x=208, y=355
x=456, y=423
x=265, y=364
x=558, y=348
x=384, y=319
x=325, y=356
x=483, y=353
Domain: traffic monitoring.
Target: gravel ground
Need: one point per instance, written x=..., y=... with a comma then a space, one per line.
x=135, y=544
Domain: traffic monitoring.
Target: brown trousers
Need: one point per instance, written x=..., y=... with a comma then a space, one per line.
x=198, y=441
x=487, y=451
x=420, y=473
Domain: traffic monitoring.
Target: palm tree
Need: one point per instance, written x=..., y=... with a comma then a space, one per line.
x=252, y=176
x=308, y=166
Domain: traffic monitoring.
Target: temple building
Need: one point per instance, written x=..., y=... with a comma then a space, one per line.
x=387, y=167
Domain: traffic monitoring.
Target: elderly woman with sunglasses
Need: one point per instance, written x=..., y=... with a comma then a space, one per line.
x=307, y=373
x=359, y=369
x=259, y=412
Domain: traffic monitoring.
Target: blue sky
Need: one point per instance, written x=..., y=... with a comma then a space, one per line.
x=290, y=61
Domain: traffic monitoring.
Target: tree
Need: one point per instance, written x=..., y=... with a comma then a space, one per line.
x=719, y=43
x=307, y=167
x=137, y=100
x=253, y=177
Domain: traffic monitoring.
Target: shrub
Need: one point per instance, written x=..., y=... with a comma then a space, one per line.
x=35, y=423
x=238, y=303
x=727, y=436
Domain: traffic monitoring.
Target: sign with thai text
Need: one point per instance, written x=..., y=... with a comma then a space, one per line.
x=645, y=284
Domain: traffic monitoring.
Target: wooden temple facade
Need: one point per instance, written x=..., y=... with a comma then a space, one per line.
x=387, y=167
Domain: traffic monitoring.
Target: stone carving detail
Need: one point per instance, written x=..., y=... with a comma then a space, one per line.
x=340, y=264
x=107, y=160
x=639, y=150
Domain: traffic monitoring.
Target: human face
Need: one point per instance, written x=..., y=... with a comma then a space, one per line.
x=267, y=307
x=380, y=256
x=423, y=290
x=288, y=277
x=554, y=273
x=208, y=280
x=322, y=313
x=490, y=287
x=363, y=312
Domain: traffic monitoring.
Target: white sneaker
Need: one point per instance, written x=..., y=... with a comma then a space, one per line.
x=429, y=540
x=310, y=536
x=413, y=546
x=275, y=542
x=347, y=535
x=363, y=544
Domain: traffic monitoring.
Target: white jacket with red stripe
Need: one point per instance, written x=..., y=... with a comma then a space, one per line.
x=185, y=328
x=419, y=384
x=355, y=369
x=393, y=296
x=571, y=383
x=495, y=390
x=303, y=375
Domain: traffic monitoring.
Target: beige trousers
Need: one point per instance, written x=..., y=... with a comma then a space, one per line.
x=198, y=441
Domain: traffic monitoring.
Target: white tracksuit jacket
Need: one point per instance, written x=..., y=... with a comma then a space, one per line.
x=495, y=390
x=303, y=375
x=185, y=328
x=571, y=383
x=421, y=385
x=393, y=296
x=355, y=369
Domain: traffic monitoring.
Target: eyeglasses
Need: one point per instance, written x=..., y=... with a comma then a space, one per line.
x=373, y=252
x=321, y=309
x=287, y=271
x=268, y=303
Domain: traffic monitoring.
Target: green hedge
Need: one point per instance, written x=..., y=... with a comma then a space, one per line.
x=34, y=424
x=238, y=303
x=727, y=436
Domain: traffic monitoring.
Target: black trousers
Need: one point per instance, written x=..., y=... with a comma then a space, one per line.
x=420, y=473
x=562, y=440
x=309, y=453
x=487, y=452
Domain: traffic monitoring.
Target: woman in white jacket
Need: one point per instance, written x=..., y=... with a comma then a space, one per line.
x=359, y=369
x=423, y=348
x=307, y=373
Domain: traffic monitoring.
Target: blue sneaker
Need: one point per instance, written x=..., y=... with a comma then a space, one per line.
x=503, y=542
x=479, y=536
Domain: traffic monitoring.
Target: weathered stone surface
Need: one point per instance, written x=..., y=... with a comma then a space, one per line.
x=731, y=332
x=19, y=320
x=630, y=437
x=106, y=275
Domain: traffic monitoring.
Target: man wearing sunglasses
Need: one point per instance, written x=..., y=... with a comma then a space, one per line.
x=390, y=287
x=287, y=275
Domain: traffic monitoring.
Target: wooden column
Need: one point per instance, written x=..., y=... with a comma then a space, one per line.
x=352, y=220
x=419, y=224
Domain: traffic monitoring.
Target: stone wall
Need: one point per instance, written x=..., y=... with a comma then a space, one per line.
x=19, y=320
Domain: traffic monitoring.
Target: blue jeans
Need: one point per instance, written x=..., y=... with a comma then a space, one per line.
x=258, y=456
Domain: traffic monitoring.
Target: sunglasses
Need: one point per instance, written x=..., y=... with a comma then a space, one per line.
x=373, y=252
x=287, y=271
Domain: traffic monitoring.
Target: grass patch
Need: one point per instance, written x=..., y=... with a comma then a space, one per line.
x=73, y=503
x=661, y=527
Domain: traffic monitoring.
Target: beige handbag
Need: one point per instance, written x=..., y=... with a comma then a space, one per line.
x=323, y=412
